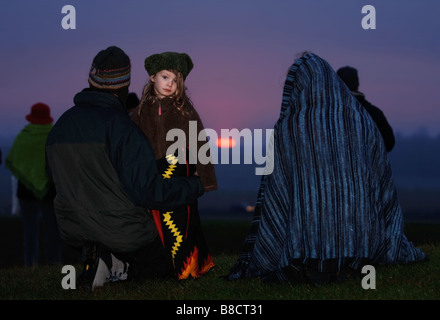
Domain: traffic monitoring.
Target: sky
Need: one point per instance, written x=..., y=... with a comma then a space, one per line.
x=241, y=50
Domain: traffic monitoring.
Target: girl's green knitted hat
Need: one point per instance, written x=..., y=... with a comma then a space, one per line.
x=169, y=61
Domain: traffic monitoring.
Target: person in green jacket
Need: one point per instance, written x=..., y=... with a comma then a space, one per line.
x=107, y=180
x=35, y=190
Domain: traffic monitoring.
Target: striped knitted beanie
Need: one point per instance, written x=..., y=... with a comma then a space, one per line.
x=110, y=69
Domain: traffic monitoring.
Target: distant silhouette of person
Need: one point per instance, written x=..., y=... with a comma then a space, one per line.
x=35, y=191
x=350, y=76
x=132, y=102
x=330, y=206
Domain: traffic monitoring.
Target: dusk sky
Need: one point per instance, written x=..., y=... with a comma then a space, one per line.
x=241, y=51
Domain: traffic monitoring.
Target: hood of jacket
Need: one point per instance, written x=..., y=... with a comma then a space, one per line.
x=91, y=97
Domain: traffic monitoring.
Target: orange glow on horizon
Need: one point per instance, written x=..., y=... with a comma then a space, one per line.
x=226, y=142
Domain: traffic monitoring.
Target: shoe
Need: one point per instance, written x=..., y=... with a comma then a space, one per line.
x=102, y=274
x=109, y=269
x=96, y=270
x=118, y=270
x=100, y=267
x=90, y=263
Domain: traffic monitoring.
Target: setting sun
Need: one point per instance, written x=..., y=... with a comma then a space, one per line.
x=226, y=142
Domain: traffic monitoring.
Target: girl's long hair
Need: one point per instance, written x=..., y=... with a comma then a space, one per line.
x=181, y=100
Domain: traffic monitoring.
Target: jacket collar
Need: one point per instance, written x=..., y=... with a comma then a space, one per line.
x=90, y=97
x=165, y=104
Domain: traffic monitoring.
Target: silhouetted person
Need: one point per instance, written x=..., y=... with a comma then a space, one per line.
x=350, y=76
x=35, y=191
x=132, y=102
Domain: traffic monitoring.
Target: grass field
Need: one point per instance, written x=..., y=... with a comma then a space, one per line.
x=418, y=281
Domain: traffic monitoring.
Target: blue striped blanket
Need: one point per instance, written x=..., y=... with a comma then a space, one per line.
x=330, y=205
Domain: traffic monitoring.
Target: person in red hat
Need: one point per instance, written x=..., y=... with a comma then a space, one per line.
x=35, y=189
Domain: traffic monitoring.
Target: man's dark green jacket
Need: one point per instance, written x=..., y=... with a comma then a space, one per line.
x=106, y=177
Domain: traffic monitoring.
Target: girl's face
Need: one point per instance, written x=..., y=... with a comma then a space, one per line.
x=165, y=83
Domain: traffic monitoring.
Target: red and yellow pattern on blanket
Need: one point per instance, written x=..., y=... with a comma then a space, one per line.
x=180, y=229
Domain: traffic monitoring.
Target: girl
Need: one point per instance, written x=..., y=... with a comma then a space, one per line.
x=164, y=106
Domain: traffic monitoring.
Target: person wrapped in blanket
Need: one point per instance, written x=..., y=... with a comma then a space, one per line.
x=330, y=205
x=164, y=107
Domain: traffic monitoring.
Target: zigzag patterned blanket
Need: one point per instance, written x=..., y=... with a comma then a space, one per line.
x=330, y=206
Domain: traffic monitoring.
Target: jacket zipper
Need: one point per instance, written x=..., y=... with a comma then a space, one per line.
x=159, y=121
